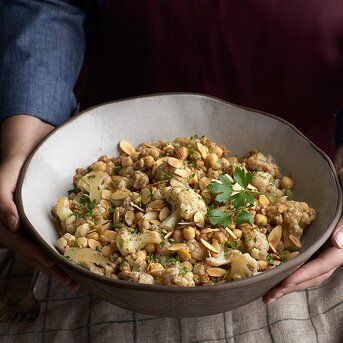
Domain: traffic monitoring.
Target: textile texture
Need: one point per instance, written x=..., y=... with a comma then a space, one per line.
x=308, y=317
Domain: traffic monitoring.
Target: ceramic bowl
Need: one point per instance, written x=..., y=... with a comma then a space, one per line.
x=95, y=132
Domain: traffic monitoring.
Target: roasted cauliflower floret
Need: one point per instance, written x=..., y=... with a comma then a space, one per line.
x=184, y=199
x=94, y=183
x=259, y=162
x=175, y=275
x=242, y=266
x=265, y=183
x=137, y=263
x=294, y=216
x=256, y=243
x=140, y=180
x=218, y=261
x=139, y=277
x=62, y=209
x=128, y=242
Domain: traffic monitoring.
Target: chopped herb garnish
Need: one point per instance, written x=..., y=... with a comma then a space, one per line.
x=117, y=170
x=115, y=226
x=67, y=257
x=183, y=270
x=72, y=191
x=91, y=176
x=121, y=243
x=283, y=256
x=232, y=245
x=218, y=217
x=163, y=244
x=270, y=258
x=98, y=249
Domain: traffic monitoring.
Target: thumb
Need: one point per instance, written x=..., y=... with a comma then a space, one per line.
x=8, y=211
x=337, y=236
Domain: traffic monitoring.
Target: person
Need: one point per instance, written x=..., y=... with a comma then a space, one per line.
x=42, y=48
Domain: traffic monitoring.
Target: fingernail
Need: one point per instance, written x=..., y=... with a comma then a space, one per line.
x=12, y=222
x=339, y=239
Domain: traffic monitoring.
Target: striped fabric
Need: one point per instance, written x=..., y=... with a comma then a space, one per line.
x=314, y=316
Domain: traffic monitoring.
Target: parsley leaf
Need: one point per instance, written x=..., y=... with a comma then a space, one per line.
x=217, y=217
x=232, y=245
x=241, y=199
x=270, y=258
x=241, y=177
x=244, y=217
x=283, y=256
x=223, y=189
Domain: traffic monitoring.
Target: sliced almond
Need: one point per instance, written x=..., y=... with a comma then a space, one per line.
x=126, y=147
x=275, y=235
x=154, y=221
x=93, y=244
x=168, y=235
x=199, y=219
x=273, y=248
x=156, y=204
x=184, y=173
x=201, y=149
x=136, y=206
x=106, y=194
x=295, y=241
x=184, y=254
x=292, y=255
x=208, y=230
x=129, y=217
x=120, y=194
x=186, y=223
x=231, y=233
x=175, y=163
x=204, y=182
x=208, y=246
x=151, y=215
x=164, y=214
x=145, y=195
x=177, y=246
x=116, y=215
x=216, y=272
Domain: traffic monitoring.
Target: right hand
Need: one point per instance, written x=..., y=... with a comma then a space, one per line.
x=19, y=135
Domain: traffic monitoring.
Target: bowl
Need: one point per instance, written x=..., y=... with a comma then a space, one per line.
x=48, y=173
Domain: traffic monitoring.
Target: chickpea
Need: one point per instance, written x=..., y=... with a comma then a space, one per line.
x=237, y=233
x=217, y=150
x=154, y=152
x=232, y=160
x=149, y=248
x=149, y=162
x=178, y=236
x=110, y=235
x=126, y=161
x=261, y=220
x=263, y=200
x=286, y=182
x=187, y=265
x=262, y=265
x=184, y=153
x=93, y=235
x=189, y=233
x=193, y=180
x=106, y=251
x=99, y=166
x=212, y=160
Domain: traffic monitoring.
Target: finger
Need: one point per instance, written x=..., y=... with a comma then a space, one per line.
x=278, y=292
x=22, y=243
x=337, y=236
x=326, y=262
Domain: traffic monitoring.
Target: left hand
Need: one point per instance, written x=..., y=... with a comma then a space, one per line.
x=313, y=273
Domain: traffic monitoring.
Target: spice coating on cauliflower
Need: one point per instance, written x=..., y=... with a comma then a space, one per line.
x=242, y=266
x=256, y=243
x=259, y=162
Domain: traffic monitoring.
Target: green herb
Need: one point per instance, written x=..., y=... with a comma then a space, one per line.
x=244, y=217
x=170, y=260
x=91, y=176
x=115, y=226
x=111, y=211
x=171, y=240
x=163, y=244
x=241, y=177
x=83, y=198
x=232, y=245
x=183, y=270
x=283, y=256
x=117, y=170
x=67, y=257
x=222, y=190
x=218, y=217
x=98, y=248
x=121, y=243
x=270, y=258
x=72, y=191
x=93, y=203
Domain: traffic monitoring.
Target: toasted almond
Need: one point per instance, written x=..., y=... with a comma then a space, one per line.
x=164, y=214
x=295, y=241
x=145, y=195
x=154, y=221
x=151, y=215
x=274, y=236
x=116, y=215
x=184, y=173
x=231, y=233
x=216, y=272
x=117, y=178
x=175, y=163
x=110, y=235
x=199, y=219
x=204, y=182
x=126, y=147
x=177, y=246
x=186, y=223
x=156, y=204
x=208, y=230
x=168, y=235
x=184, y=254
x=120, y=194
x=129, y=217
x=201, y=149
x=292, y=255
x=216, y=246
x=106, y=194
x=273, y=248
x=136, y=206
x=208, y=246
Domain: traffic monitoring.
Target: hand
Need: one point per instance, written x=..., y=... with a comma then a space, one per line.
x=19, y=135
x=313, y=273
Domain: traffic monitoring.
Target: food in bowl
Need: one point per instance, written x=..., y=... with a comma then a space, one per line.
x=182, y=213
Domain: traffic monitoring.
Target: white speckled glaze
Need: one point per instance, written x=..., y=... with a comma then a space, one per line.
x=95, y=132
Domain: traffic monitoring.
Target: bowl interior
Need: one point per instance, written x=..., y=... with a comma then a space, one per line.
x=146, y=119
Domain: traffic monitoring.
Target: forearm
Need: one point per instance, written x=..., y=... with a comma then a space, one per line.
x=19, y=136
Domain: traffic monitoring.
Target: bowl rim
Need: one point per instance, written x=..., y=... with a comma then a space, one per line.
x=284, y=267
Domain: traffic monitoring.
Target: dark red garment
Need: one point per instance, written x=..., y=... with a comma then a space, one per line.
x=282, y=57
